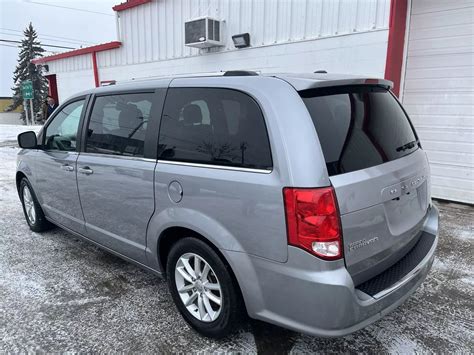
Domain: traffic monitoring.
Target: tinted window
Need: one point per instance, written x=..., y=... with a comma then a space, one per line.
x=61, y=133
x=359, y=127
x=118, y=124
x=214, y=126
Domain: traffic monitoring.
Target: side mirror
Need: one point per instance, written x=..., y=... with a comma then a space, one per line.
x=27, y=140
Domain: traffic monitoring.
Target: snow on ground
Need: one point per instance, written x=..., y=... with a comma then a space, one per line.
x=59, y=293
x=9, y=132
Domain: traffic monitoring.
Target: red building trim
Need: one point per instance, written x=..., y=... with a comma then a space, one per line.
x=96, y=69
x=396, y=43
x=129, y=4
x=86, y=50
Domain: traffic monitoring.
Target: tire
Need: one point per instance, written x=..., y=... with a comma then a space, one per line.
x=218, y=321
x=31, y=208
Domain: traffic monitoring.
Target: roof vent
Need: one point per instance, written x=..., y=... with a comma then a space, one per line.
x=320, y=72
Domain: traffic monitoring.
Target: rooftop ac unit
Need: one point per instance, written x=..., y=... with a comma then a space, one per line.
x=203, y=32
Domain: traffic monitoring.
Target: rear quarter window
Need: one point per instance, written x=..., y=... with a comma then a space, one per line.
x=214, y=126
x=359, y=127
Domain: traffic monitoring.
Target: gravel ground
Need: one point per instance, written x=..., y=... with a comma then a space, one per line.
x=59, y=293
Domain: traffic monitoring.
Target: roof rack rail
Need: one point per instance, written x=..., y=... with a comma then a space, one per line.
x=240, y=73
x=320, y=72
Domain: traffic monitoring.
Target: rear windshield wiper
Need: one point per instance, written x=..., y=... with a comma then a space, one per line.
x=406, y=146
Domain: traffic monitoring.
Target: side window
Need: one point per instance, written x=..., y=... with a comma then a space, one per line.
x=214, y=126
x=61, y=133
x=118, y=124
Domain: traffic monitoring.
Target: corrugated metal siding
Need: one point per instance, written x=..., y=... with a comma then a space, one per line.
x=80, y=62
x=362, y=54
x=345, y=36
x=439, y=92
x=154, y=31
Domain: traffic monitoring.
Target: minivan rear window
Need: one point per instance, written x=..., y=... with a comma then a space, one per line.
x=359, y=127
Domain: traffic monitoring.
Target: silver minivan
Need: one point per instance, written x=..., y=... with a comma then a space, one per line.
x=302, y=200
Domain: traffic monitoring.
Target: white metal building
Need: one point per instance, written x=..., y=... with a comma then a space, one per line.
x=297, y=35
x=438, y=91
x=424, y=46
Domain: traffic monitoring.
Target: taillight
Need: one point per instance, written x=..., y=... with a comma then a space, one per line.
x=312, y=220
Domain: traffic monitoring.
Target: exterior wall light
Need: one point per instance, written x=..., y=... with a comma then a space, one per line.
x=241, y=40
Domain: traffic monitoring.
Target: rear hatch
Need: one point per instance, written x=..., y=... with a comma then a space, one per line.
x=377, y=169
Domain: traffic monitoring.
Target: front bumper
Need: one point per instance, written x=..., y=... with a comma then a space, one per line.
x=318, y=297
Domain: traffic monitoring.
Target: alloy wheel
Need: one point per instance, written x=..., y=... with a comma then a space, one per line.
x=198, y=287
x=29, y=205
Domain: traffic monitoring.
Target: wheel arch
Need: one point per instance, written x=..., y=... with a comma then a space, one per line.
x=19, y=176
x=175, y=222
x=171, y=235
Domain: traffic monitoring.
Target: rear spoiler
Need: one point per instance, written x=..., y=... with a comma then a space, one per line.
x=301, y=84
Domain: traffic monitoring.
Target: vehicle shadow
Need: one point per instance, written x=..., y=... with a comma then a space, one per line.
x=271, y=339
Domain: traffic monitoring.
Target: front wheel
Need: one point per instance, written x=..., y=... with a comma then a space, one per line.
x=203, y=289
x=31, y=208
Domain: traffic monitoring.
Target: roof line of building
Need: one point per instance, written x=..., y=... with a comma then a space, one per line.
x=97, y=48
x=80, y=51
x=129, y=4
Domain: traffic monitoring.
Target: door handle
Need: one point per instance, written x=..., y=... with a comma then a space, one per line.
x=85, y=170
x=67, y=167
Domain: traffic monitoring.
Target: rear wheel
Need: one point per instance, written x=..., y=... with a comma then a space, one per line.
x=203, y=289
x=31, y=208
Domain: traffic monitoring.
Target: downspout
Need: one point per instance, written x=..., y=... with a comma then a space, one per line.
x=94, y=54
x=396, y=43
x=95, y=69
x=405, y=53
x=117, y=25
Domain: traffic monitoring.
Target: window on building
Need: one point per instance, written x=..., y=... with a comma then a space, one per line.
x=214, y=126
x=118, y=124
x=61, y=133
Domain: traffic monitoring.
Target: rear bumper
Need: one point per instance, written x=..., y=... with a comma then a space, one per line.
x=318, y=297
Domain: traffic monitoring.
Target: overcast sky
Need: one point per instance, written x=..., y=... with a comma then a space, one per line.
x=55, y=25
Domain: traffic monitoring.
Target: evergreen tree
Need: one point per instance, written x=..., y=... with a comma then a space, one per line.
x=30, y=49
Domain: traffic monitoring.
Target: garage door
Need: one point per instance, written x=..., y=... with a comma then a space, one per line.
x=439, y=91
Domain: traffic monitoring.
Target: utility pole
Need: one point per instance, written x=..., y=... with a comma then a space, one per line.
x=32, y=116
x=26, y=112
